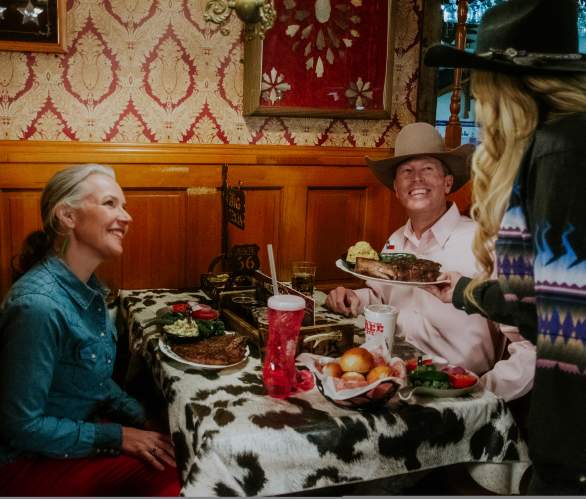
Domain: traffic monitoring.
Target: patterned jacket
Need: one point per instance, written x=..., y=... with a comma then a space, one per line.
x=541, y=262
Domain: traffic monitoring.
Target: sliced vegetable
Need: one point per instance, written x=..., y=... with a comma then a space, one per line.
x=205, y=315
x=429, y=376
x=411, y=364
x=462, y=380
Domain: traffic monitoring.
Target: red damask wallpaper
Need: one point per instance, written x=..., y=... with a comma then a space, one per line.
x=144, y=71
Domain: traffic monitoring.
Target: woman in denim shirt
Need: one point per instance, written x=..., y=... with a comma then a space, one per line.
x=66, y=427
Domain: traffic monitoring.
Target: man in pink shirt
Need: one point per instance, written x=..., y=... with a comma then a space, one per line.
x=422, y=173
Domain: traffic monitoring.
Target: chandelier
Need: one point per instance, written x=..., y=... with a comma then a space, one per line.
x=477, y=8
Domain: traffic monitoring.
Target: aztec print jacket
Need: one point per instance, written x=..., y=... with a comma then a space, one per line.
x=541, y=288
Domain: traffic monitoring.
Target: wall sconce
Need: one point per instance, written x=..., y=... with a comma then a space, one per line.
x=258, y=15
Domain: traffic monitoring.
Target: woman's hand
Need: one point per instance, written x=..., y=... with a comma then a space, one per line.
x=344, y=301
x=151, y=446
x=444, y=292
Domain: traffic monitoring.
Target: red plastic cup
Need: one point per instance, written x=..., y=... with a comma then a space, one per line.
x=285, y=314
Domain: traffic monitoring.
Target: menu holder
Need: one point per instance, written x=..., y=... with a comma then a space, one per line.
x=245, y=311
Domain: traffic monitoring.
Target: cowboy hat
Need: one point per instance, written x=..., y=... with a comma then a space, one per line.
x=422, y=139
x=522, y=37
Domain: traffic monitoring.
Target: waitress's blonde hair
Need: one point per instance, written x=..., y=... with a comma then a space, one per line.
x=509, y=109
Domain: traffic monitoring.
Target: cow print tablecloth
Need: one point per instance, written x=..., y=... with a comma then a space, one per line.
x=232, y=440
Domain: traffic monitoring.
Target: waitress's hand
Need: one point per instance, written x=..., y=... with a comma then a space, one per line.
x=151, y=446
x=344, y=301
x=444, y=292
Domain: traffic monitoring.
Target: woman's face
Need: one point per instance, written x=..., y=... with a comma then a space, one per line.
x=101, y=222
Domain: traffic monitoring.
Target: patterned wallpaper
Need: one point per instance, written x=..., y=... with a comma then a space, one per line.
x=144, y=71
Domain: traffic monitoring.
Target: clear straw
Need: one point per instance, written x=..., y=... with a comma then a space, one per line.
x=273, y=269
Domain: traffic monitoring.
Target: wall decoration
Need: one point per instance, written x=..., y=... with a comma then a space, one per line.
x=32, y=25
x=146, y=71
x=325, y=58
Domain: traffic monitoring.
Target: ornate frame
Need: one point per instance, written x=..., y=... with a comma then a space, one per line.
x=253, y=63
x=27, y=41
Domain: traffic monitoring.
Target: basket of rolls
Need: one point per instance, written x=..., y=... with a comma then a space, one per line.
x=363, y=378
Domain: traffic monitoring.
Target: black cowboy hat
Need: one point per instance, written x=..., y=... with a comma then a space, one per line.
x=422, y=139
x=521, y=36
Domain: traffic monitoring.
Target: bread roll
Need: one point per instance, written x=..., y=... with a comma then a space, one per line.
x=379, y=372
x=353, y=376
x=356, y=359
x=332, y=369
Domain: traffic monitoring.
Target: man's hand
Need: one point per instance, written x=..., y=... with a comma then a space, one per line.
x=153, y=447
x=344, y=301
x=444, y=292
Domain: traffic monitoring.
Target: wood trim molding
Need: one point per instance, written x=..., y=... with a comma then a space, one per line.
x=35, y=152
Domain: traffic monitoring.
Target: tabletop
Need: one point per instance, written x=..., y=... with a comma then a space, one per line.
x=232, y=439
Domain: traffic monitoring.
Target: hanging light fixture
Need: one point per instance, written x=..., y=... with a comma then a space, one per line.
x=258, y=15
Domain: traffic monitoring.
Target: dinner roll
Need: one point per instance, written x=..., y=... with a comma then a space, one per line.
x=357, y=359
x=382, y=371
x=332, y=369
x=352, y=376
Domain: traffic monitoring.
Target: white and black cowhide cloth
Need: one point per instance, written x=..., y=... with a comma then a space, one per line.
x=231, y=439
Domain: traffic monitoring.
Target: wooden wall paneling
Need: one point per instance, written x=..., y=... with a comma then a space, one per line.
x=293, y=228
x=263, y=219
x=21, y=216
x=203, y=231
x=5, y=244
x=335, y=220
x=155, y=246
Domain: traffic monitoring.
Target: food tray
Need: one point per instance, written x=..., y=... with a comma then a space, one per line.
x=342, y=265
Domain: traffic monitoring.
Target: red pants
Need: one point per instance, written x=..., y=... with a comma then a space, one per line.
x=92, y=476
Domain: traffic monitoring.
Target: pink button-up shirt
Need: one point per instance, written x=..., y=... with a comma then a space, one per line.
x=442, y=330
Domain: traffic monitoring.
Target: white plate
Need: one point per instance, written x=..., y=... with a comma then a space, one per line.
x=406, y=392
x=341, y=264
x=166, y=349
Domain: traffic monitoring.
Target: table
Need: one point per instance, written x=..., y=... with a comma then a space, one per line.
x=231, y=439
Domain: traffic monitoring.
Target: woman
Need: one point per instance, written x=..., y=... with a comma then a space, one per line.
x=67, y=428
x=529, y=199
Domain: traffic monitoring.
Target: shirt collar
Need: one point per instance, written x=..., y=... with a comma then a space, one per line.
x=82, y=293
x=441, y=230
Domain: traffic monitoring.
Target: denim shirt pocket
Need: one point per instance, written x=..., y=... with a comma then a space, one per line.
x=89, y=368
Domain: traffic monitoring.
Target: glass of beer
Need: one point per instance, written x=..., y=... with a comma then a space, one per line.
x=303, y=277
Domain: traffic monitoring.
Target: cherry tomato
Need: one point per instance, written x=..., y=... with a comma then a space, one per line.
x=205, y=315
x=411, y=364
x=462, y=380
x=179, y=308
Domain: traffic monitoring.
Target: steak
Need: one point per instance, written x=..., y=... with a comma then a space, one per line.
x=217, y=351
x=402, y=269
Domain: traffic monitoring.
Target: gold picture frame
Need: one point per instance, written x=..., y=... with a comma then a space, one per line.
x=32, y=26
x=253, y=79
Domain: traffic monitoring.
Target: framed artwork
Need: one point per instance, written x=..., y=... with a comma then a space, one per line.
x=322, y=58
x=32, y=25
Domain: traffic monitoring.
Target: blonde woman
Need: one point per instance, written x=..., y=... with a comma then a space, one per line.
x=529, y=200
x=67, y=429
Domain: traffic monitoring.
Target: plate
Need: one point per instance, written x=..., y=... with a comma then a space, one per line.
x=344, y=266
x=166, y=349
x=406, y=392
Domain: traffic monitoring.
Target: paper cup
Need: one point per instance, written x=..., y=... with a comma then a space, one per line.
x=380, y=320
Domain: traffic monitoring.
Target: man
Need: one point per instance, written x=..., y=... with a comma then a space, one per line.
x=422, y=173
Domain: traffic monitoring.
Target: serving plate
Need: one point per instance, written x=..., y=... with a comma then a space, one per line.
x=166, y=350
x=342, y=265
x=406, y=392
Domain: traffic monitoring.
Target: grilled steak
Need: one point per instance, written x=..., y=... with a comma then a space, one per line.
x=219, y=350
x=402, y=269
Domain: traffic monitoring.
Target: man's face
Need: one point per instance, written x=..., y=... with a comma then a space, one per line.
x=421, y=185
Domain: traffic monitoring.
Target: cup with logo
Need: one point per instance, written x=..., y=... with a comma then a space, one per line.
x=380, y=320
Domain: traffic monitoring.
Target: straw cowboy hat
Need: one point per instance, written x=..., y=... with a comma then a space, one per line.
x=521, y=37
x=422, y=139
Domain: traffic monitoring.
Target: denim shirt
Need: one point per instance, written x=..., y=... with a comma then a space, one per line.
x=57, y=352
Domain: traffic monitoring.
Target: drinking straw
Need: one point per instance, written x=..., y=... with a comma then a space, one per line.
x=273, y=269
